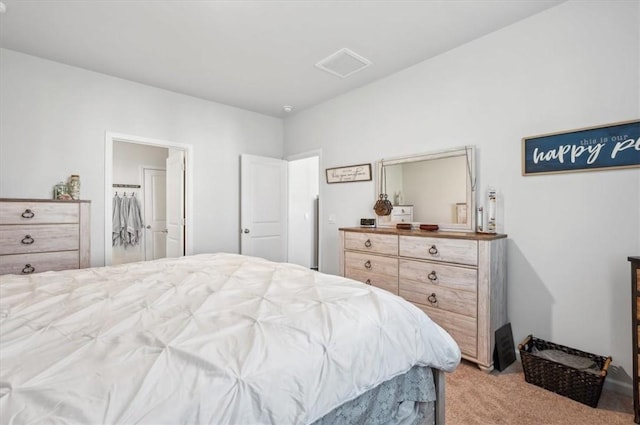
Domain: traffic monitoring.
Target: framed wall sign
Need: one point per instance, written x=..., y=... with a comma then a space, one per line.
x=594, y=148
x=351, y=173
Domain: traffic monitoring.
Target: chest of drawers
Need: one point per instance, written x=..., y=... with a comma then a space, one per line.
x=458, y=279
x=43, y=235
x=635, y=321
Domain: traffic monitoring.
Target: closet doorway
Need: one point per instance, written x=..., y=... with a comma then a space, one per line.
x=155, y=176
x=304, y=210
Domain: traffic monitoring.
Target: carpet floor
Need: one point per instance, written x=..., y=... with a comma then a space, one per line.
x=476, y=397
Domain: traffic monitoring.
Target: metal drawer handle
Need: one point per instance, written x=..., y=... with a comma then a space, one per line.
x=28, y=213
x=432, y=298
x=367, y=265
x=28, y=268
x=368, y=243
x=27, y=240
x=368, y=282
x=433, y=250
x=432, y=276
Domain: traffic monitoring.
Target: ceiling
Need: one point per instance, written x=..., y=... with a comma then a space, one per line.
x=255, y=55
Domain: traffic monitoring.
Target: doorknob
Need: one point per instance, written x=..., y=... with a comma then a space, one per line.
x=165, y=231
x=246, y=230
x=148, y=226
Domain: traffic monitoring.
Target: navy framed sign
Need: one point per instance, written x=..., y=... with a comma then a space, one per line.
x=594, y=148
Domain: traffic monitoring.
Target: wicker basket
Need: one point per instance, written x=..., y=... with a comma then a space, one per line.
x=579, y=385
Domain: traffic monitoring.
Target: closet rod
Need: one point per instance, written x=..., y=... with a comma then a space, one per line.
x=134, y=186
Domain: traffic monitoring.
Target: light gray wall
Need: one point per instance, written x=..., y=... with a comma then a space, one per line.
x=572, y=66
x=53, y=120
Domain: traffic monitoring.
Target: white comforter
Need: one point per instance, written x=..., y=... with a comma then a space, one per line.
x=206, y=339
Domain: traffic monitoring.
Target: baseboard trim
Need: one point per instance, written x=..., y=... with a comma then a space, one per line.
x=618, y=387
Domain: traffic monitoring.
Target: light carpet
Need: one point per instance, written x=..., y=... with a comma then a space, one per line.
x=476, y=397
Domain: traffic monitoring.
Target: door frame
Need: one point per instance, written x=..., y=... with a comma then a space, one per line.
x=308, y=154
x=111, y=137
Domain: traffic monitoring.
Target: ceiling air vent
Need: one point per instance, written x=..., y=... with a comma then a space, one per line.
x=343, y=63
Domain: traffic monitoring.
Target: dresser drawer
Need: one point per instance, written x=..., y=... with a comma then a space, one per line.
x=461, y=302
x=374, y=264
x=38, y=238
x=439, y=274
x=41, y=262
x=463, y=329
x=461, y=251
x=25, y=212
x=380, y=244
x=389, y=283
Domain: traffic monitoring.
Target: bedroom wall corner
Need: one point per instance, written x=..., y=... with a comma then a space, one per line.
x=574, y=65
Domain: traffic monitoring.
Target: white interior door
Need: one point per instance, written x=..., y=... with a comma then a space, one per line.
x=155, y=218
x=175, y=204
x=263, y=207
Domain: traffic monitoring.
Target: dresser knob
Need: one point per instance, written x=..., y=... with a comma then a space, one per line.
x=367, y=264
x=368, y=282
x=27, y=240
x=432, y=276
x=28, y=213
x=28, y=268
x=432, y=298
x=368, y=243
x=433, y=250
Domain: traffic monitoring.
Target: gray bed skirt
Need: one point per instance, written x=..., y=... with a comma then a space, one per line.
x=407, y=399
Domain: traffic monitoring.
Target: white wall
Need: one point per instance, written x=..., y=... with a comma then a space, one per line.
x=53, y=122
x=572, y=66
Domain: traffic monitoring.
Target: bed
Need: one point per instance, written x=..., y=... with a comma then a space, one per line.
x=215, y=339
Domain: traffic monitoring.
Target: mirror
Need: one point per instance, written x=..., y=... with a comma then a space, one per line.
x=431, y=188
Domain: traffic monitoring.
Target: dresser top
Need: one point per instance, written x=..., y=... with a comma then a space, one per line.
x=425, y=233
x=41, y=200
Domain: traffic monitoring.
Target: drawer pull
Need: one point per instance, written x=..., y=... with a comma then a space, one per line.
x=432, y=276
x=28, y=269
x=368, y=243
x=432, y=298
x=27, y=240
x=367, y=264
x=368, y=282
x=433, y=250
x=28, y=213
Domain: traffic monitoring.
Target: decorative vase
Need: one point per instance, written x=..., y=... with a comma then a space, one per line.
x=74, y=186
x=60, y=190
x=493, y=209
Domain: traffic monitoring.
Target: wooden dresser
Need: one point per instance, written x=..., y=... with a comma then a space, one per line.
x=42, y=235
x=635, y=320
x=458, y=279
